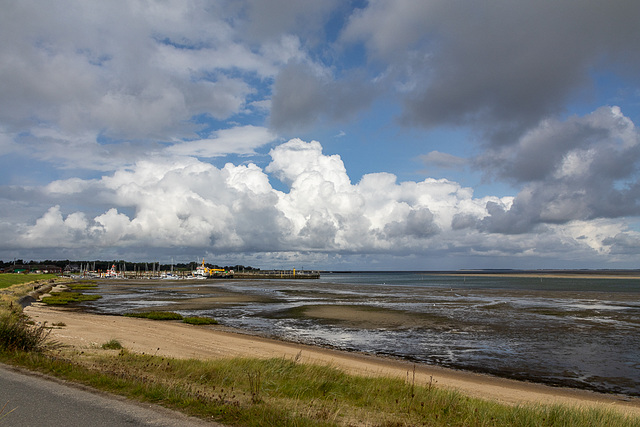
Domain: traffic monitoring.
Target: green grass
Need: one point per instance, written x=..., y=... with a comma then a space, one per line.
x=156, y=315
x=10, y=279
x=282, y=392
x=64, y=298
x=82, y=285
x=18, y=333
x=198, y=320
x=20, y=285
x=70, y=296
x=112, y=344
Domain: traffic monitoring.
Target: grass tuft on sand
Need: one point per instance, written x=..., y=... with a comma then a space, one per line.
x=112, y=344
x=156, y=315
x=199, y=320
x=66, y=297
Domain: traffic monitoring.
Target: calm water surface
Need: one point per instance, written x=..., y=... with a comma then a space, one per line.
x=576, y=332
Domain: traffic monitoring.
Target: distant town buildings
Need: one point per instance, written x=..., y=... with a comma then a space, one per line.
x=32, y=268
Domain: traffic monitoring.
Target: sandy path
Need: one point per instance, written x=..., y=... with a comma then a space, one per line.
x=176, y=339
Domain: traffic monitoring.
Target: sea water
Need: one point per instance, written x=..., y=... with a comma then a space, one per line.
x=577, y=332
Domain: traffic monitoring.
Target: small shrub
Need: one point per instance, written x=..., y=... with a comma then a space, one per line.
x=16, y=334
x=197, y=320
x=156, y=315
x=112, y=344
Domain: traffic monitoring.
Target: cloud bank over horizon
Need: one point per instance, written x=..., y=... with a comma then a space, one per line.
x=181, y=202
x=278, y=133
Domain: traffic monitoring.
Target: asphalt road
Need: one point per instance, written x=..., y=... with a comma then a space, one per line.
x=34, y=400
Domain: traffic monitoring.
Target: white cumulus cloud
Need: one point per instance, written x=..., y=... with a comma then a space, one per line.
x=183, y=202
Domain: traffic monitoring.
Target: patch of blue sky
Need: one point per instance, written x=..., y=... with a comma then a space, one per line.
x=184, y=43
x=99, y=60
x=206, y=124
x=104, y=139
x=343, y=59
x=374, y=143
x=26, y=170
x=623, y=185
x=339, y=17
x=634, y=224
x=260, y=87
x=608, y=89
x=250, y=77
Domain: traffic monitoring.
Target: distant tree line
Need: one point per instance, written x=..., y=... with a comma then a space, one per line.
x=120, y=264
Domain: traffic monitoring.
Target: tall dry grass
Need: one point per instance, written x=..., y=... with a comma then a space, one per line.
x=282, y=392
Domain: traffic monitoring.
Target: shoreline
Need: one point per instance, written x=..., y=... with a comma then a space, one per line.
x=87, y=332
x=537, y=274
x=544, y=275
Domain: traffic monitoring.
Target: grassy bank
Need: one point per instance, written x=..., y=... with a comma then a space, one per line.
x=71, y=294
x=279, y=392
x=276, y=392
x=15, y=286
x=11, y=279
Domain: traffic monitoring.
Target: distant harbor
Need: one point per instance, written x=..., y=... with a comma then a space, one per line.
x=199, y=274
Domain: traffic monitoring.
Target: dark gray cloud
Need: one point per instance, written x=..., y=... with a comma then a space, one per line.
x=603, y=144
x=265, y=19
x=498, y=66
x=443, y=160
x=580, y=169
x=623, y=244
x=304, y=95
x=419, y=223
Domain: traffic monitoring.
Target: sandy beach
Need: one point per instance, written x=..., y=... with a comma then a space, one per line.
x=87, y=332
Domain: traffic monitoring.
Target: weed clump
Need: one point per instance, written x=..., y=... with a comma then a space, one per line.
x=112, y=344
x=64, y=298
x=18, y=333
x=198, y=320
x=156, y=315
x=82, y=285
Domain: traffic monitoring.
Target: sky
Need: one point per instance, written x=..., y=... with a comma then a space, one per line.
x=328, y=134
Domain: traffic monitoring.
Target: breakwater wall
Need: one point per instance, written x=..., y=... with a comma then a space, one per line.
x=278, y=274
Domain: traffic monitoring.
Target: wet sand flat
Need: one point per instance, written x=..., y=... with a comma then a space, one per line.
x=366, y=317
x=204, y=303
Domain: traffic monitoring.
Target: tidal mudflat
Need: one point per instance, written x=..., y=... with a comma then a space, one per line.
x=577, y=332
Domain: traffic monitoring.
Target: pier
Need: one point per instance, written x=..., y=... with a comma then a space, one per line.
x=278, y=274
